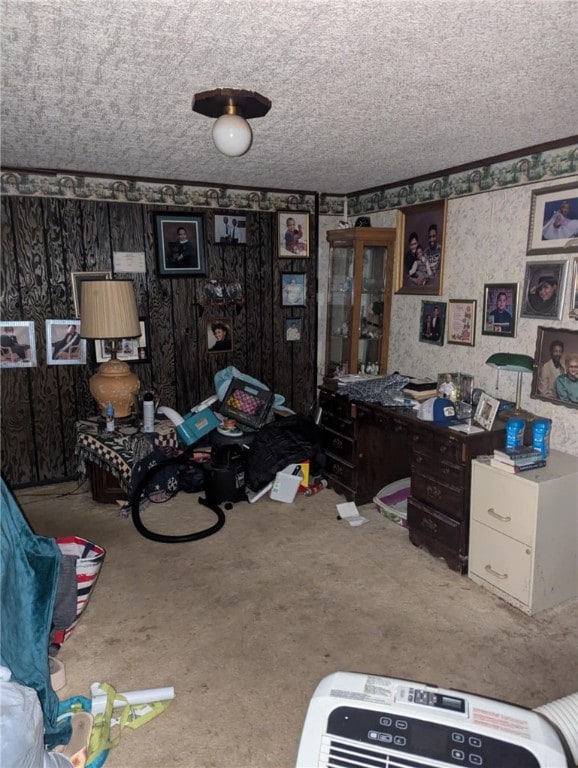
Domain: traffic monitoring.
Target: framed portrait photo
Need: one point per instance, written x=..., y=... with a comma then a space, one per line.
x=500, y=307
x=555, y=376
x=544, y=289
x=230, y=230
x=180, y=245
x=432, y=324
x=574, y=292
x=293, y=289
x=293, y=328
x=130, y=350
x=17, y=344
x=293, y=229
x=486, y=411
x=219, y=335
x=553, y=220
x=78, y=278
x=419, y=250
x=462, y=322
x=63, y=343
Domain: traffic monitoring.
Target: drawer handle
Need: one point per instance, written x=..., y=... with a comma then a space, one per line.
x=419, y=459
x=433, y=491
x=337, y=469
x=416, y=438
x=337, y=443
x=489, y=569
x=443, y=449
x=501, y=518
x=445, y=470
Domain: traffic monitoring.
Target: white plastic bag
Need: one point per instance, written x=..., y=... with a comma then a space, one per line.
x=22, y=728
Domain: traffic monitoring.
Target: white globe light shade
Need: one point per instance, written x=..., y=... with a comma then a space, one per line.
x=232, y=135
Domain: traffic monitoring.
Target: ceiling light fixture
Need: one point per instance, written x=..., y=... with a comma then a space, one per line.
x=232, y=107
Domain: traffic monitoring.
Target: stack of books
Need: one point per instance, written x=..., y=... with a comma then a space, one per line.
x=518, y=459
x=421, y=389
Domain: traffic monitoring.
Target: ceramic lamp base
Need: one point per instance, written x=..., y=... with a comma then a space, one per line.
x=115, y=383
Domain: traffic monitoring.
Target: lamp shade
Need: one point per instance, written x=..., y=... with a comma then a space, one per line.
x=232, y=135
x=508, y=361
x=108, y=310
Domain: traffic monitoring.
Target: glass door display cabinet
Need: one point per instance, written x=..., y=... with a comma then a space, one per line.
x=358, y=300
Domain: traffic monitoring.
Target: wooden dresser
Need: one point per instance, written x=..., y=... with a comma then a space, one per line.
x=369, y=446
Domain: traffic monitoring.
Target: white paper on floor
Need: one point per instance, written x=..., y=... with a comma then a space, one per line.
x=349, y=512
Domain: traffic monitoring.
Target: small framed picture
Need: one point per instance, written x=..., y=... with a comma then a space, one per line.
x=553, y=220
x=432, y=322
x=17, y=344
x=63, y=343
x=500, y=304
x=293, y=231
x=130, y=350
x=230, y=230
x=78, y=278
x=486, y=411
x=219, y=335
x=293, y=289
x=419, y=254
x=293, y=328
x=556, y=366
x=180, y=245
x=448, y=386
x=544, y=288
x=462, y=322
x=574, y=292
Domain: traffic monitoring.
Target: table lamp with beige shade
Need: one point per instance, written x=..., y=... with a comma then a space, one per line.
x=108, y=311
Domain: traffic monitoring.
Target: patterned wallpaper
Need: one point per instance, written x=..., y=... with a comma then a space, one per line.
x=485, y=241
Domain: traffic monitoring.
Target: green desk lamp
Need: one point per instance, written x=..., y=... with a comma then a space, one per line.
x=508, y=361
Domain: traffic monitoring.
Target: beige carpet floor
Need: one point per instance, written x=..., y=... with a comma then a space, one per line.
x=244, y=624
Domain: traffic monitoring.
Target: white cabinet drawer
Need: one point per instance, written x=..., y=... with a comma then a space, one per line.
x=504, y=502
x=504, y=563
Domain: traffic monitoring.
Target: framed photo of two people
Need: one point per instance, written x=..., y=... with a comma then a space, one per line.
x=419, y=257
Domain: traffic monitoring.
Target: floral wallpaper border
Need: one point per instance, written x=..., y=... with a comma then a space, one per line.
x=526, y=169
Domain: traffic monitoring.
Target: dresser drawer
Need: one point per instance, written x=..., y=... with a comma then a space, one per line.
x=449, y=474
x=448, y=447
x=337, y=423
x=502, y=562
x=336, y=404
x=421, y=440
x=505, y=502
x=433, y=525
x=343, y=472
x=339, y=445
x=445, y=498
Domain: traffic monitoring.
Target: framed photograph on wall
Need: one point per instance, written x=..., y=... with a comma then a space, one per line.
x=500, y=305
x=553, y=220
x=230, y=230
x=574, y=292
x=180, y=245
x=486, y=411
x=63, y=343
x=432, y=324
x=293, y=289
x=555, y=376
x=544, y=289
x=462, y=322
x=293, y=229
x=419, y=249
x=293, y=328
x=130, y=350
x=78, y=278
x=219, y=335
x=17, y=344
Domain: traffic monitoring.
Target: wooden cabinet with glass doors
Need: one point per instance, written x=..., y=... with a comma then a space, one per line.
x=358, y=300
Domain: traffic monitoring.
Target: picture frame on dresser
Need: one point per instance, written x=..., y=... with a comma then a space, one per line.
x=486, y=411
x=553, y=227
x=420, y=226
x=462, y=322
x=555, y=376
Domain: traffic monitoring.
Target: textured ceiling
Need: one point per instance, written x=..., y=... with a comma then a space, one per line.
x=364, y=92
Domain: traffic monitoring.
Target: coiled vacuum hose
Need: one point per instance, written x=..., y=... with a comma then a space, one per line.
x=563, y=713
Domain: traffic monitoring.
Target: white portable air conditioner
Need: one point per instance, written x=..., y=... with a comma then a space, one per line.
x=364, y=721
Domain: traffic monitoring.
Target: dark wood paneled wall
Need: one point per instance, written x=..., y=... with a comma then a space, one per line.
x=44, y=240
